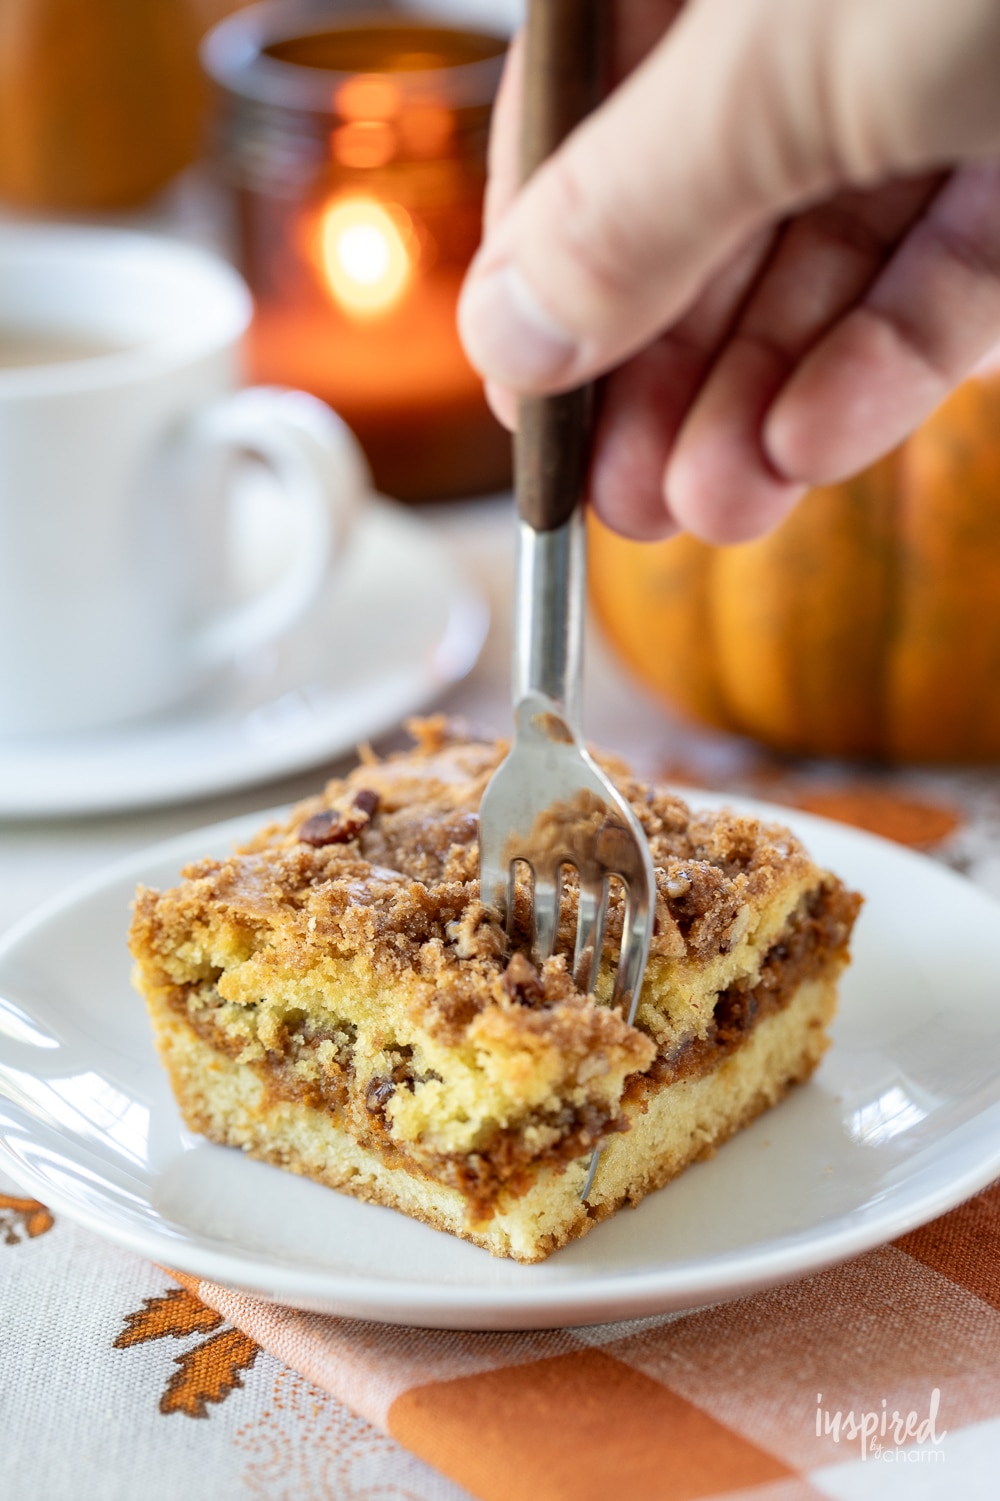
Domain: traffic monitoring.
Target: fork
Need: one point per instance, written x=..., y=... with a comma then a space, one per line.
x=549, y=805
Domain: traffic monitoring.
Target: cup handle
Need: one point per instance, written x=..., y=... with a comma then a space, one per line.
x=323, y=476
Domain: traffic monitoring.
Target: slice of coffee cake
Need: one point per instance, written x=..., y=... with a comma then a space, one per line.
x=334, y=998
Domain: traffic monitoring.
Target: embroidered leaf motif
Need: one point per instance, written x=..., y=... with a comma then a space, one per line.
x=21, y=1218
x=210, y=1369
x=208, y=1373
x=176, y=1312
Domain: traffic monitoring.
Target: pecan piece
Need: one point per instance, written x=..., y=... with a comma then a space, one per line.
x=322, y=828
x=366, y=802
x=331, y=827
x=522, y=981
x=378, y=1094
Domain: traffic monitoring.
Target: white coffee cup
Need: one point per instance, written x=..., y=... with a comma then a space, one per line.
x=113, y=448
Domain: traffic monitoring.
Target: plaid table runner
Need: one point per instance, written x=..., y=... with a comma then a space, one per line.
x=878, y=1378
x=827, y=1386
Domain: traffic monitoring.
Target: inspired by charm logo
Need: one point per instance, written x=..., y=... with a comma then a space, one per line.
x=894, y=1437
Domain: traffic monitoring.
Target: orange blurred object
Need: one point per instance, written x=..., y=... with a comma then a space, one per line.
x=880, y=810
x=357, y=150
x=100, y=103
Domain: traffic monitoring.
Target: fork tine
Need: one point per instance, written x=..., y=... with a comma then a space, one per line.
x=588, y=1184
x=496, y=883
x=509, y=914
x=546, y=899
x=632, y=957
x=590, y=923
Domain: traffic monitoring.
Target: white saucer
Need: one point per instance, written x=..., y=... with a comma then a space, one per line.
x=397, y=625
x=901, y=1122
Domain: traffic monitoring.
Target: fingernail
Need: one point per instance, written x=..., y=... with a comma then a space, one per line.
x=508, y=334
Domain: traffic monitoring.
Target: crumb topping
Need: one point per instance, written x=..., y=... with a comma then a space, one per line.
x=399, y=869
x=384, y=864
x=347, y=949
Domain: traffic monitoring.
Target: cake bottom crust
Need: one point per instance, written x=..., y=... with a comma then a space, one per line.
x=230, y=1103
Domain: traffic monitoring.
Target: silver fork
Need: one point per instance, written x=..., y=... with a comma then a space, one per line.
x=549, y=804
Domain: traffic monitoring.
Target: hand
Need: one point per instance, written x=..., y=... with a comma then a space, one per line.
x=778, y=239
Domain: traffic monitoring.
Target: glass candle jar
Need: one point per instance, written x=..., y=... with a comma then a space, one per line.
x=355, y=143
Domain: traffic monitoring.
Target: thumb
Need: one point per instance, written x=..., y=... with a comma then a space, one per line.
x=738, y=115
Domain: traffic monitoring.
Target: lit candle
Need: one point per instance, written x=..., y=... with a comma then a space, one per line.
x=364, y=255
x=358, y=153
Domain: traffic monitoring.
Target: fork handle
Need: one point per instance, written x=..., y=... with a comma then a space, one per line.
x=552, y=447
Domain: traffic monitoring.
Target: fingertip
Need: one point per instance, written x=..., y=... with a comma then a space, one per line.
x=719, y=483
x=821, y=425
x=631, y=443
x=856, y=396
x=806, y=450
x=637, y=522
x=508, y=334
x=503, y=404
x=725, y=502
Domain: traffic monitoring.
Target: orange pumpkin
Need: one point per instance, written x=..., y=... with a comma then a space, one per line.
x=101, y=101
x=868, y=624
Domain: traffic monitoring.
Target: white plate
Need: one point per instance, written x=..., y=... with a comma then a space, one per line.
x=901, y=1122
x=396, y=626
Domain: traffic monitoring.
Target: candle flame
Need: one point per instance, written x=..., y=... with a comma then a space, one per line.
x=364, y=254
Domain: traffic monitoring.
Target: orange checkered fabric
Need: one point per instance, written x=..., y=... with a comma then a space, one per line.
x=799, y=1391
